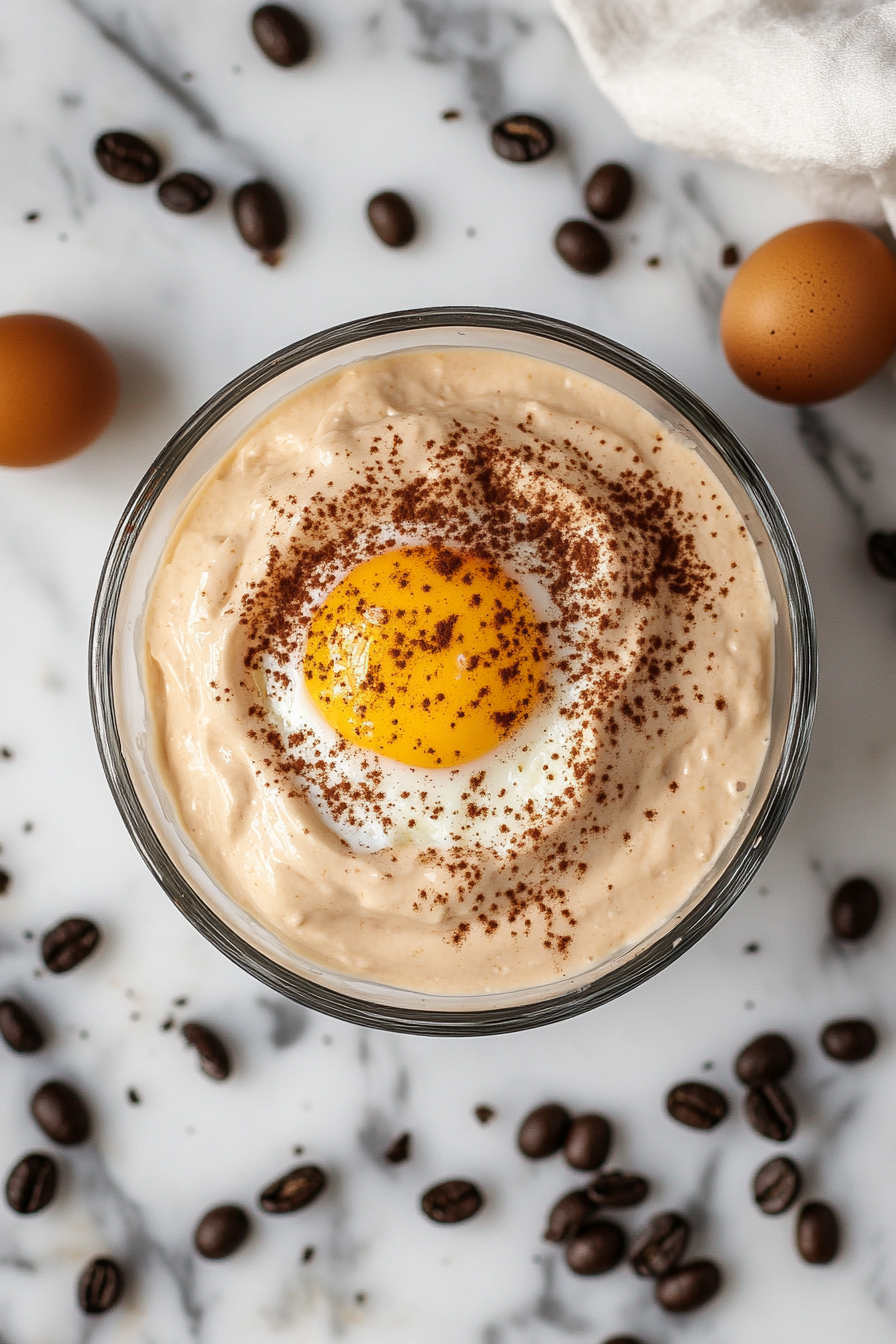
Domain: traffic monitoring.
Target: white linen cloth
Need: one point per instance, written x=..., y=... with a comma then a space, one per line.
x=799, y=87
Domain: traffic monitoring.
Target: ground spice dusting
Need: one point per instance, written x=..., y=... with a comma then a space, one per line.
x=597, y=544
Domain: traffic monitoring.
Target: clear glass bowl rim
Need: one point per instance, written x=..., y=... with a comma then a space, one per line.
x=672, y=942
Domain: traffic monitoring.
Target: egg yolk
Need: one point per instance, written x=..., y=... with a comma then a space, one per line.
x=428, y=655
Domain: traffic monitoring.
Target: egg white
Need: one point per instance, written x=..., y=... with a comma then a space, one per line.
x=524, y=778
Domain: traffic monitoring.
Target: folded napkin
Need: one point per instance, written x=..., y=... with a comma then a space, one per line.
x=799, y=87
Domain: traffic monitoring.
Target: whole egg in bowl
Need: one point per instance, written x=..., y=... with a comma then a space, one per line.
x=460, y=670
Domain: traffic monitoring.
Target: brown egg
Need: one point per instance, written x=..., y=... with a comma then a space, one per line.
x=58, y=389
x=811, y=314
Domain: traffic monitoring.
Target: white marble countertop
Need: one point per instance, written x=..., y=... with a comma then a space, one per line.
x=185, y=306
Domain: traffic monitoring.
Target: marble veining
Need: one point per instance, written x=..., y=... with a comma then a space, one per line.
x=185, y=306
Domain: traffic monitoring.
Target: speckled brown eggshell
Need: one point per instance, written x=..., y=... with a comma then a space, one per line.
x=58, y=389
x=811, y=314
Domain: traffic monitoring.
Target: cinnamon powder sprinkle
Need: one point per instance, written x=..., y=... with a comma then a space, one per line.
x=598, y=545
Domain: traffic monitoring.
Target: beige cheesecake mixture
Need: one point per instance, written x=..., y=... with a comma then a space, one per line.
x=430, y=551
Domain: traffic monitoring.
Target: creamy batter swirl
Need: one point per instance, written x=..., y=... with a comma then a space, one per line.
x=408, y=544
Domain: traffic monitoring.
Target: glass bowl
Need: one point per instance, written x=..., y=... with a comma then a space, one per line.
x=119, y=705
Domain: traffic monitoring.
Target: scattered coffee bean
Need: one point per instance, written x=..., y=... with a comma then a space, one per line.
x=776, y=1185
x=582, y=246
x=587, y=1142
x=597, y=1249
x=485, y=1114
x=522, y=138
x=770, y=1111
x=221, y=1232
x=68, y=944
x=212, y=1052
x=281, y=34
x=399, y=1149
x=451, y=1201
x=61, y=1113
x=544, y=1130
x=19, y=1029
x=391, y=219
x=618, y=1189
x=293, y=1191
x=855, y=908
x=127, y=157
x=100, y=1286
x=697, y=1105
x=31, y=1184
x=657, y=1250
x=5, y=880
x=688, y=1287
x=185, y=193
x=764, y=1060
x=849, y=1041
x=730, y=255
x=608, y=191
x=817, y=1233
x=882, y=553
x=260, y=217
x=568, y=1215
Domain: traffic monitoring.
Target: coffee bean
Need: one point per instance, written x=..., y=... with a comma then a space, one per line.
x=522, y=138
x=61, y=1113
x=5, y=880
x=19, y=1029
x=776, y=1185
x=770, y=1111
x=281, y=34
x=399, y=1149
x=618, y=1189
x=568, y=1215
x=451, y=1201
x=882, y=553
x=100, y=1286
x=292, y=1191
x=817, y=1233
x=657, y=1250
x=544, y=1130
x=597, y=1249
x=212, y=1052
x=127, y=157
x=688, y=1287
x=855, y=908
x=697, y=1105
x=31, y=1184
x=260, y=217
x=391, y=219
x=185, y=193
x=764, y=1060
x=587, y=1142
x=609, y=191
x=68, y=944
x=849, y=1041
x=582, y=246
x=221, y=1231
x=730, y=255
